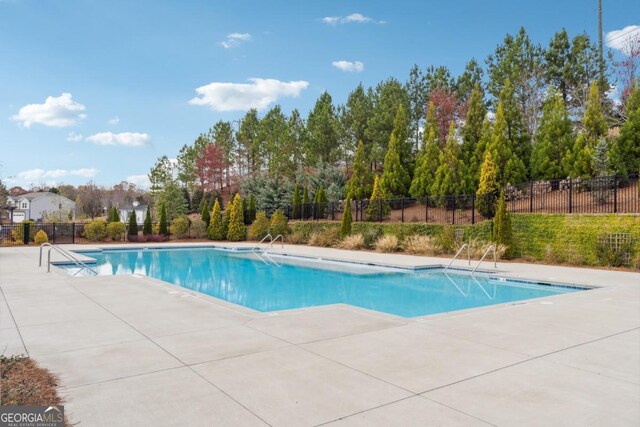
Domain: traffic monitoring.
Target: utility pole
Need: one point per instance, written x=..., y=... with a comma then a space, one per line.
x=600, y=40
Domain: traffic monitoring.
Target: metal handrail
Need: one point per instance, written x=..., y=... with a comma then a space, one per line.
x=279, y=236
x=457, y=287
x=263, y=239
x=70, y=257
x=42, y=246
x=495, y=262
x=458, y=253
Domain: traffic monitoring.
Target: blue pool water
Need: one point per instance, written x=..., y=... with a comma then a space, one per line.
x=242, y=278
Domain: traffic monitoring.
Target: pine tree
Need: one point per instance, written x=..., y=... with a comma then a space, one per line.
x=471, y=134
x=553, y=138
x=345, y=226
x=226, y=219
x=485, y=197
x=595, y=125
x=449, y=177
x=511, y=169
x=252, y=209
x=360, y=185
x=133, y=224
x=164, y=226
x=403, y=144
x=237, y=230
x=577, y=160
x=306, y=211
x=378, y=208
x=502, y=233
x=515, y=126
x=395, y=180
x=600, y=158
x=481, y=149
x=147, y=228
x=625, y=151
x=205, y=214
x=426, y=166
x=320, y=202
x=216, y=228
x=296, y=202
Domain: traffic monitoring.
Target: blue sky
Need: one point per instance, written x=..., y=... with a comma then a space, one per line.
x=99, y=89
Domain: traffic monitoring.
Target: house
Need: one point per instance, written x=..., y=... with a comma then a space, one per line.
x=35, y=206
x=141, y=212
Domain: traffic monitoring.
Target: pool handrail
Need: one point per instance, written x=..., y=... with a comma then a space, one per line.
x=261, y=241
x=279, y=236
x=495, y=262
x=458, y=253
x=65, y=254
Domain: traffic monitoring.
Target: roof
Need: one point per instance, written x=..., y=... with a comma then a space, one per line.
x=37, y=195
x=129, y=207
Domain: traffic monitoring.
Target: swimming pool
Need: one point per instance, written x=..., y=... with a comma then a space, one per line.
x=286, y=282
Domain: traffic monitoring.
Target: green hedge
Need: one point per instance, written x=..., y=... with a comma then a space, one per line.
x=537, y=237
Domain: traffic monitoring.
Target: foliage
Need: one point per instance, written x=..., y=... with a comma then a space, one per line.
x=510, y=168
x=18, y=233
x=421, y=245
x=115, y=230
x=237, y=230
x=330, y=178
x=216, y=228
x=322, y=127
x=320, y=202
x=625, y=151
x=327, y=238
x=352, y=242
x=378, y=208
x=205, y=213
x=279, y=224
x=449, y=178
x=427, y=163
x=172, y=199
x=296, y=202
x=305, y=204
x=260, y=226
x=133, y=224
x=113, y=215
x=270, y=193
x=471, y=135
x=251, y=211
x=95, y=231
x=198, y=229
x=164, y=226
x=345, y=226
x=395, y=180
x=147, y=226
x=387, y=243
x=360, y=185
x=41, y=237
x=181, y=226
x=485, y=200
x=502, y=232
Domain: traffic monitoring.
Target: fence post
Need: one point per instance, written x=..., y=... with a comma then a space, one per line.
x=473, y=209
x=570, y=195
x=615, y=193
x=25, y=233
x=531, y=196
x=53, y=233
x=402, y=206
x=453, y=211
x=73, y=232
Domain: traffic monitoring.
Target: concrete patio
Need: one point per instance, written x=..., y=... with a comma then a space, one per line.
x=138, y=351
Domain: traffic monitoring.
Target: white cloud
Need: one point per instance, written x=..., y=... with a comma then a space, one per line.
x=114, y=120
x=349, y=66
x=56, y=112
x=258, y=93
x=356, y=18
x=35, y=175
x=74, y=137
x=139, y=180
x=234, y=39
x=623, y=39
x=129, y=139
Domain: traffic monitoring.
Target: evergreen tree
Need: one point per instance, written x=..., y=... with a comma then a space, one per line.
x=502, y=233
x=147, y=228
x=345, y=225
x=426, y=165
x=252, y=209
x=471, y=135
x=395, y=180
x=449, y=178
x=360, y=185
x=216, y=228
x=600, y=158
x=322, y=128
x=577, y=160
x=296, y=202
x=510, y=168
x=205, y=214
x=485, y=197
x=625, y=151
x=403, y=144
x=133, y=224
x=320, y=201
x=226, y=219
x=378, y=208
x=553, y=138
x=516, y=128
x=306, y=211
x=164, y=225
x=237, y=230
x=595, y=125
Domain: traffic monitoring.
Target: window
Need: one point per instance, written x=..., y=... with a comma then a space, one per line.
x=24, y=205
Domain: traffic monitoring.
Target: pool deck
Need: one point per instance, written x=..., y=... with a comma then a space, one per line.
x=137, y=351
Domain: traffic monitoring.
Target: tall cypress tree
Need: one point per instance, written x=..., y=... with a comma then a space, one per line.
x=471, y=134
x=395, y=180
x=486, y=195
x=164, y=225
x=306, y=211
x=360, y=185
x=345, y=225
x=553, y=138
x=133, y=224
x=378, y=205
x=252, y=209
x=237, y=230
x=320, y=201
x=625, y=151
x=296, y=202
x=449, y=178
x=426, y=165
x=511, y=169
x=215, y=230
x=205, y=214
x=147, y=228
x=515, y=126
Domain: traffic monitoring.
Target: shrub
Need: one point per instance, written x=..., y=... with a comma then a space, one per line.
x=198, y=229
x=41, y=237
x=378, y=208
x=205, y=213
x=18, y=233
x=327, y=238
x=237, y=230
x=612, y=251
x=251, y=210
x=260, y=227
x=147, y=227
x=502, y=233
x=215, y=230
x=298, y=238
x=421, y=245
x=95, y=231
x=352, y=242
x=448, y=241
x=163, y=229
x=115, y=230
x=279, y=224
x=345, y=226
x=387, y=243
x=133, y=224
x=180, y=226
x=371, y=236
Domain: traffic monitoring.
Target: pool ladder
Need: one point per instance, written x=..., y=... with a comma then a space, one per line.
x=65, y=254
x=263, y=255
x=466, y=245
